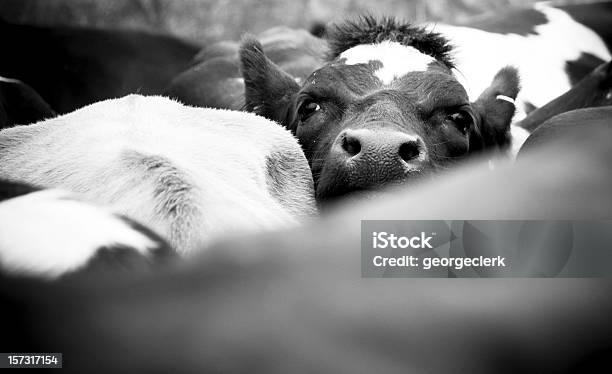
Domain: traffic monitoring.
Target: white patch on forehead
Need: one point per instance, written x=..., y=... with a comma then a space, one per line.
x=396, y=59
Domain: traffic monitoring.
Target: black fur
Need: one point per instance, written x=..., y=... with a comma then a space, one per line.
x=318, y=29
x=581, y=67
x=11, y=189
x=21, y=105
x=368, y=29
x=494, y=128
x=267, y=89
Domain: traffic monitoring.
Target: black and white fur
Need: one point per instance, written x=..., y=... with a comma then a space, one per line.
x=50, y=233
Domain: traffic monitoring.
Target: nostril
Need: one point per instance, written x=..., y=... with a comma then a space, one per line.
x=410, y=150
x=351, y=145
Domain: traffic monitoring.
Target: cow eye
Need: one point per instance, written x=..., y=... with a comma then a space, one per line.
x=307, y=109
x=461, y=119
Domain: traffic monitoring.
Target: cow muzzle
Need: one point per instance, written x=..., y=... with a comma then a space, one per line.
x=365, y=159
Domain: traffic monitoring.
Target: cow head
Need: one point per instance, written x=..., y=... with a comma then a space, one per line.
x=385, y=108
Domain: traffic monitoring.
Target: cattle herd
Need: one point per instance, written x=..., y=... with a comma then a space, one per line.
x=171, y=208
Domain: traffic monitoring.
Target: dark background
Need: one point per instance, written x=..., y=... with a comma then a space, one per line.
x=203, y=21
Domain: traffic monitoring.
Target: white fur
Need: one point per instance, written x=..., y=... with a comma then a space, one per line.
x=540, y=58
x=9, y=80
x=518, y=136
x=220, y=155
x=397, y=60
x=48, y=234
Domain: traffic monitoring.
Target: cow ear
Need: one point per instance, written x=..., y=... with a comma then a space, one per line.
x=268, y=90
x=496, y=106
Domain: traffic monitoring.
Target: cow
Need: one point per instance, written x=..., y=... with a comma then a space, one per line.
x=553, y=47
x=190, y=174
x=386, y=108
x=51, y=234
x=294, y=300
x=214, y=79
x=592, y=91
x=20, y=104
x=83, y=65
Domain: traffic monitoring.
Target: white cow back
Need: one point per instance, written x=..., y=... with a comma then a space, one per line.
x=191, y=174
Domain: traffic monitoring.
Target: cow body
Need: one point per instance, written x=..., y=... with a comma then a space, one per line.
x=20, y=104
x=553, y=47
x=214, y=80
x=592, y=91
x=191, y=174
x=82, y=66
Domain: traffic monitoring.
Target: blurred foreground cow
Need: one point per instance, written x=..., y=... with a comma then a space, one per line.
x=20, y=104
x=190, y=174
x=384, y=109
x=52, y=233
x=567, y=126
x=294, y=301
